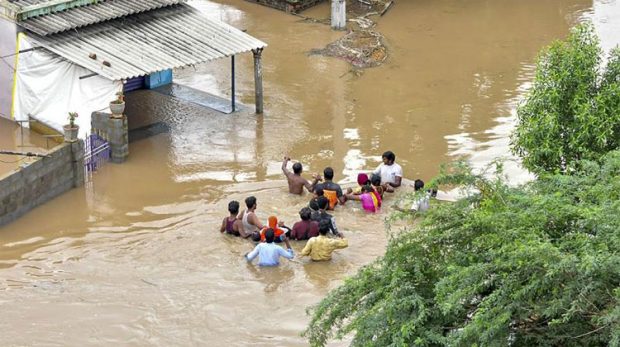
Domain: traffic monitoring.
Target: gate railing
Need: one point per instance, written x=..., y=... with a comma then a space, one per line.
x=96, y=153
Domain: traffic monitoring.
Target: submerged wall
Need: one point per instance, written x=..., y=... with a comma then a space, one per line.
x=29, y=186
x=292, y=6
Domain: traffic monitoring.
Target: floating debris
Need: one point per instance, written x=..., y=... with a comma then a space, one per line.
x=357, y=8
x=362, y=48
x=363, y=23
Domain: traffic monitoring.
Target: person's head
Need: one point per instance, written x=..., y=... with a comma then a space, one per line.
x=375, y=180
x=323, y=227
x=318, y=191
x=250, y=202
x=305, y=213
x=273, y=222
x=362, y=179
x=323, y=202
x=328, y=173
x=297, y=168
x=388, y=157
x=314, y=205
x=269, y=235
x=233, y=207
x=418, y=184
x=366, y=189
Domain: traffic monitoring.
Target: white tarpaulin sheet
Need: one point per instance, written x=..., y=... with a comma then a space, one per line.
x=48, y=87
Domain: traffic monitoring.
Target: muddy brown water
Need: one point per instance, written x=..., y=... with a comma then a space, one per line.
x=16, y=139
x=135, y=258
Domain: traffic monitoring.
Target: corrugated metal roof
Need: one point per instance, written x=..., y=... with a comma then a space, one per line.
x=82, y=16
x=141, y=44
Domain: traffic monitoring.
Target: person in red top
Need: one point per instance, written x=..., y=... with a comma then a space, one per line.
x=305, y=228
x=279, y=233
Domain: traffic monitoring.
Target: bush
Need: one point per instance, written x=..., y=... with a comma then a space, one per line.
x=572, y=111
x=537, y=264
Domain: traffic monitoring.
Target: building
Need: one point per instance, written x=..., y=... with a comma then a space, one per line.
x=75, y=55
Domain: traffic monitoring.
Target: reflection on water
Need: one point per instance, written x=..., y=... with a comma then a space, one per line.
x=482, y=148
x=135, y=258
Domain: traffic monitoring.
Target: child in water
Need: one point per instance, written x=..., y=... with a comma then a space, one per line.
x=375, y=180
x=422, y=203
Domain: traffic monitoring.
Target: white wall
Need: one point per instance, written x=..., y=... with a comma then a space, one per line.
x=7, y=46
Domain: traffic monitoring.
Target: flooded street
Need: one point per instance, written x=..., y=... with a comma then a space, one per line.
x=135, y=257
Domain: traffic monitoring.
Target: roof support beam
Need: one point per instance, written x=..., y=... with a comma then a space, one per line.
x=232, y=83
x=258, y=80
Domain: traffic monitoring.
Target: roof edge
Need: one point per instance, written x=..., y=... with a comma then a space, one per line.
x=17, y=13
x=8, y=10
x=51, y=6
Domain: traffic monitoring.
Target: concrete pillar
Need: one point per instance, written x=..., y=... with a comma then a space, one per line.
x=258, y=80
x=339, y=15
x=115, y=131
x=77, y=163
x=118, y=137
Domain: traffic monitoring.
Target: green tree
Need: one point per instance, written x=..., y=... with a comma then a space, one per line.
x=572, y=111
x=532, y=265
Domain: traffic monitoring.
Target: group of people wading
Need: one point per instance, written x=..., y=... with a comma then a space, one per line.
x=316, y=225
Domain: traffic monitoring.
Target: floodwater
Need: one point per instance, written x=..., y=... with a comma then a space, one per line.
x=18, y=139
x=135, y=257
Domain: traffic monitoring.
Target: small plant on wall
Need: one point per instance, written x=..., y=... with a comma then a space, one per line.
x=117, y=106
x=72, y=117
x=71, y=129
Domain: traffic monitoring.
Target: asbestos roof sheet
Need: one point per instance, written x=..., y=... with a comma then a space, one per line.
x=141, y=44
x=86, y=15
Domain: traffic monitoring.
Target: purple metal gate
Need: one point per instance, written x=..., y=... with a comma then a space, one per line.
x=97, y=152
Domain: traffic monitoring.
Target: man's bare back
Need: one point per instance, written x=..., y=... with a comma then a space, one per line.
x=296, y=183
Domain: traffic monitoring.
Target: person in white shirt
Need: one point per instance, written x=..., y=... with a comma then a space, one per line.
x=421, y=203
x=390, y=172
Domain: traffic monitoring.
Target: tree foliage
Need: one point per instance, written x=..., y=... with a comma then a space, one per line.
x=572, y=111
x=537, y=264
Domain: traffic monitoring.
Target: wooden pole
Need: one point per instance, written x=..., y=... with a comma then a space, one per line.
x=339, y=15
x=258, y=80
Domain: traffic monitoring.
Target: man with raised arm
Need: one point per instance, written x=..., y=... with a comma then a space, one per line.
x=296, y=183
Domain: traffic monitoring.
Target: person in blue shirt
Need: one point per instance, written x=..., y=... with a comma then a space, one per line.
x=268, y=252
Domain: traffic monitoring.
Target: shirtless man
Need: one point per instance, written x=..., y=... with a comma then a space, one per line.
x=296, y=183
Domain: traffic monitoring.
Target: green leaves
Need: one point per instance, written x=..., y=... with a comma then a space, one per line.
x=532, y=265
x=572, y=111
x=535, y=265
